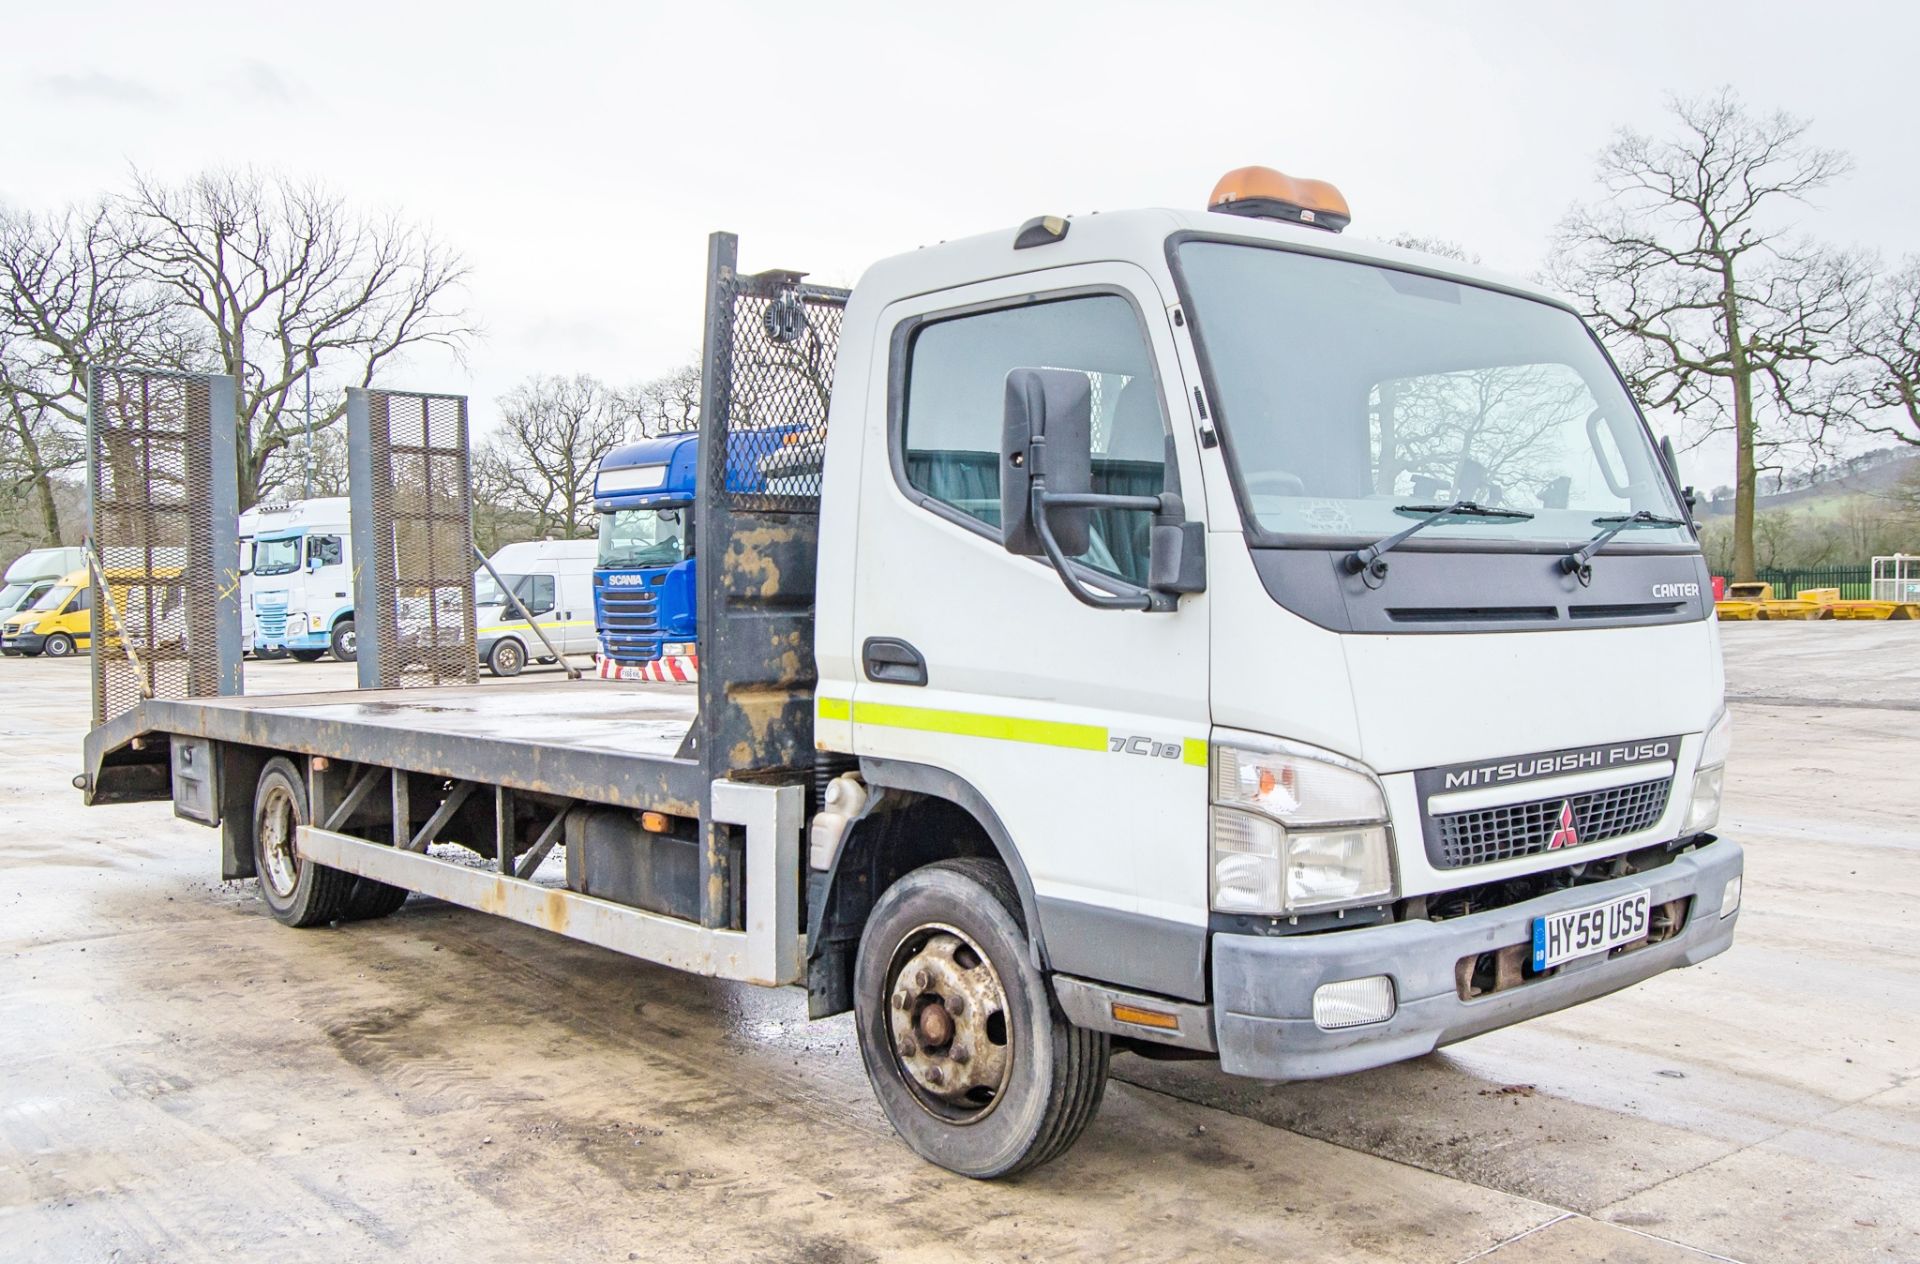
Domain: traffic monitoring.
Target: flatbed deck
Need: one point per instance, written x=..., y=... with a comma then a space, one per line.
x=601, y=741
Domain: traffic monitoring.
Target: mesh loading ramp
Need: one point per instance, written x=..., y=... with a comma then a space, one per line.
x=163, y=500
x=412, y=509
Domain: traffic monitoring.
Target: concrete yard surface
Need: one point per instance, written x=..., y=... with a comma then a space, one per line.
x=182, y=1078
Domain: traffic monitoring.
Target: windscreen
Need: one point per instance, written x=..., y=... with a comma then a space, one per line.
x=55, y=597
x=643, y=537
x=276, y=557
x=1353, y=395
x=11, y=594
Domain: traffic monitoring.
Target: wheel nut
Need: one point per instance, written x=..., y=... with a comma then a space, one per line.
x=934, y=1076
x=921, y=980
x=957, y=1006
x=901, y=999
x=908, y=1049
x=961, y=1054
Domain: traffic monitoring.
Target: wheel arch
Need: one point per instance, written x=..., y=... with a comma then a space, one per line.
x=919, y=815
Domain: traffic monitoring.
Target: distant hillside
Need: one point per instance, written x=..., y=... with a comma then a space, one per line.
x=1885, y=472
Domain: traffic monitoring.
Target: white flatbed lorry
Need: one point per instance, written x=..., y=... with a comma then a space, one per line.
x=1202, y=635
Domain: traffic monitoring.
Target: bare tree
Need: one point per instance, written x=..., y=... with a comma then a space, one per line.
x=70, y=296
x=1885, y=344
x=1713, y=307
x=668, y=404
x=542, y=460
x=286, y=280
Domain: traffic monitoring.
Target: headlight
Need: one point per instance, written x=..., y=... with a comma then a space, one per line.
x=1703, y=810
x=1294, y=830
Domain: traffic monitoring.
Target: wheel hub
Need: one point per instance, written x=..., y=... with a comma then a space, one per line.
x=947, y=1013
x=276, y=828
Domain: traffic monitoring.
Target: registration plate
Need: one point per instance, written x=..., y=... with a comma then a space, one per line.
x=1581, y=932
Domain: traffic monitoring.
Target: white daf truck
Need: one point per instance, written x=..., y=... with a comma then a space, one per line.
x=1320, y=670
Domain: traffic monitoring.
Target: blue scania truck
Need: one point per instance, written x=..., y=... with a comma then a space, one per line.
x=643, y=580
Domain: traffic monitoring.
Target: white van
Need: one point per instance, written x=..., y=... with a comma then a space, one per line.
x=32, y=574
x=554, y=581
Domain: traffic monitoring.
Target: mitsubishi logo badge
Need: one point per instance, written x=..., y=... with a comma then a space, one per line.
x=1566, y=835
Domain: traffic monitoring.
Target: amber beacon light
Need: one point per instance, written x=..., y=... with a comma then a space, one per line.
x=1263, y=193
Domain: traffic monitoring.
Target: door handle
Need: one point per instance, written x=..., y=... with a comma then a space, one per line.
x=890, y=661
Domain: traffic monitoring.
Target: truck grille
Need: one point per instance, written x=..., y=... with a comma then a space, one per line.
x=270, y=623
x=632, y=610
x=1526, y=829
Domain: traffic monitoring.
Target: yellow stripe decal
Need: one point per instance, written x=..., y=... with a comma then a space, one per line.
x=1003, y=728
x=1195, y=753
x=836, y=709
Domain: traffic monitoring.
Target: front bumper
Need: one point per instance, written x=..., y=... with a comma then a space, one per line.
x=1263, y=987
x=25, y=643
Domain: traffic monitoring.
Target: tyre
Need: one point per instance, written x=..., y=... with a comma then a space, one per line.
x=306, y=656
x=59, y=645
x=268, y=654
x=371, y=899
x=345, y=643
x=297, y=892
x=972, y=1061
x=507, y=657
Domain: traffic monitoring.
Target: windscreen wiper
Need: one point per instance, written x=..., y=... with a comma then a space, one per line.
x=1579, y=563
x=1370, y=562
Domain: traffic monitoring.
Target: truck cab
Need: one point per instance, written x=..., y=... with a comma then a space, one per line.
x=645, y=577
x=301, y=584
x=1320, y=639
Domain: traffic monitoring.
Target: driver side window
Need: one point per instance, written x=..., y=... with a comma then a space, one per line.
x=536, y=592
x=955, y=397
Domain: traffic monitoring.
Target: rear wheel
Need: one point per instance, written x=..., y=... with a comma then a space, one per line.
x=370, y=899
x=345, y=642
x=298, y=892
x=59, y=645
x=971, y=1059
x=506, y=658
x=306, y=656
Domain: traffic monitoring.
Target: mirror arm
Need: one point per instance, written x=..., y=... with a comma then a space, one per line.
x=1086, y=596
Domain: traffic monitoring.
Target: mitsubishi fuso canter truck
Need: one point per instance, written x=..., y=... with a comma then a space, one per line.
x=1190, y=633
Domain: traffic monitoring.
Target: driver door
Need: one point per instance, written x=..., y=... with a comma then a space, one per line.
x=1084, y=730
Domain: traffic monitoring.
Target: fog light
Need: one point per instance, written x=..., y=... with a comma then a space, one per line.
x=677, y=649
x=1353, y=1002
x=1730, y=896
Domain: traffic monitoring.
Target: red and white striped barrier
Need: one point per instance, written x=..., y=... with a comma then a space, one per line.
x=675, y=670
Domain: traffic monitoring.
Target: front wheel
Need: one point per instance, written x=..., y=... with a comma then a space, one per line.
x=972, y=1061
x=306, y=656
x=345, y=643
x=506, y=658
x=60, y=645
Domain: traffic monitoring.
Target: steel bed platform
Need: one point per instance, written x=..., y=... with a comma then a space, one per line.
x=600, y=741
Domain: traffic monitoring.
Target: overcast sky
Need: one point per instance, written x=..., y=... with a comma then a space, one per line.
x=579, y=154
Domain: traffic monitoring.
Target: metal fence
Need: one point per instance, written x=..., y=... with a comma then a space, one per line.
x=412, y=510
x=162, y=498
x=1854, y=582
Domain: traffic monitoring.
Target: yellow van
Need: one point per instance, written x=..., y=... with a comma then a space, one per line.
x=59, y=625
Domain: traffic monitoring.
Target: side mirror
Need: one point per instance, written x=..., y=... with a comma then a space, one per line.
x=1046, y=436
x=1671, y=457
